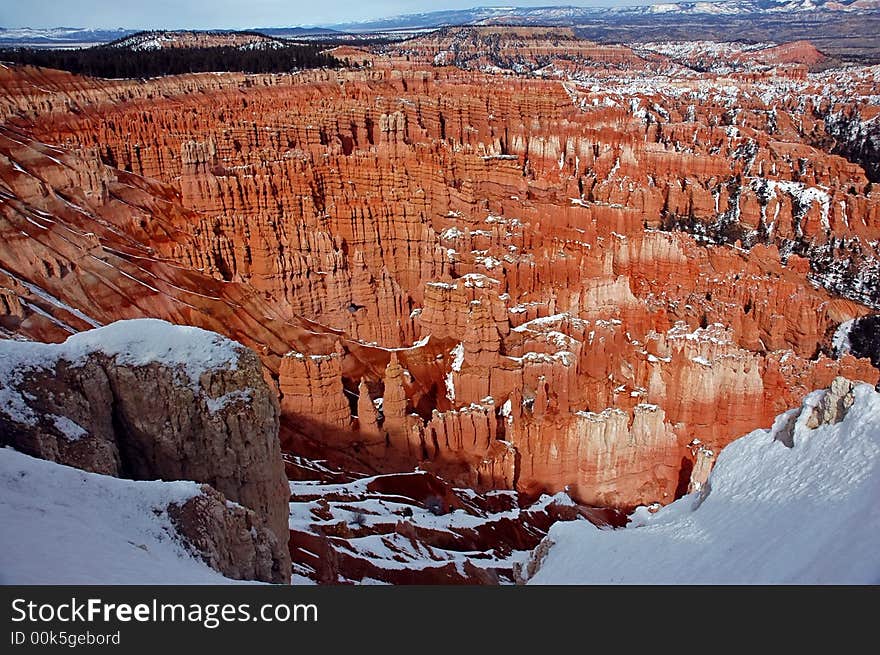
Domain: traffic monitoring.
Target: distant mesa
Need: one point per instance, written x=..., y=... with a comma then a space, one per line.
x=159, y=40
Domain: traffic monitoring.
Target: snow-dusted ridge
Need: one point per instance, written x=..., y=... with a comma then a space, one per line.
x=568, y=15
x=770, y=514
x=59, y=36
x=137, y=342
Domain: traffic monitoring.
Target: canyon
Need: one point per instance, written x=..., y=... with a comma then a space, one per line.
x=536, y=277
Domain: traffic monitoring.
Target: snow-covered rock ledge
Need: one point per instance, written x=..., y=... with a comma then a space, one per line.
x=795, y=504
x=190, y=352
x=146, y=400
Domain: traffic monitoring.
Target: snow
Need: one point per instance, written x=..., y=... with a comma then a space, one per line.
x=715, y=333
x=140, y=342
x=768, y=515
x=62, y=525
x=457, y=362
x=353, y=503
x=71, y=430
x=478, y=281
x=42, y=294
x=604, y=415
x=560, y=340
x=840, y=341
x=238, y=396
x=137, y=342
x=662, y=8
x=540, y=324
x=458, y=357
x=702, y=50
x=64, y=326
x=805, y=196
x=567, y=15
x=420, y=343
x=297, y=579
x=442, y=285
x=564, y=357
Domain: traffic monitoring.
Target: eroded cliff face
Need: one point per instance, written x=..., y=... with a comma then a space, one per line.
x=590, y=277
x=146, y=400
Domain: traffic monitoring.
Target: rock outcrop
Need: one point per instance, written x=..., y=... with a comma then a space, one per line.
x=231, y=538
x=833, y=405
x=147, y=400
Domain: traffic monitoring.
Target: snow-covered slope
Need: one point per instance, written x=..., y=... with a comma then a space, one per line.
x=772, y=514
x=62, y=525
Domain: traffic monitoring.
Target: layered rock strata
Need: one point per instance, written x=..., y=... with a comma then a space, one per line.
x=585, y=276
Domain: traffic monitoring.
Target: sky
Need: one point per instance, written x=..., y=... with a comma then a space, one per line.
x=234, y=14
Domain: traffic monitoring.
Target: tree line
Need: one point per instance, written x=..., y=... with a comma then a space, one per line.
x=121, y=62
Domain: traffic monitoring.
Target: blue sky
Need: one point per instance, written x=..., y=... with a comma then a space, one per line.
x=207, y=14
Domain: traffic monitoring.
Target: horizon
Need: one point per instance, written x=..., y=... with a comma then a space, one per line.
x=235, y=15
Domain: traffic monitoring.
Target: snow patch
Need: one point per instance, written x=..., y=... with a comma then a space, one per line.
x=840, y=341
x=70, y=430
x=239, y=396
x=457, y=362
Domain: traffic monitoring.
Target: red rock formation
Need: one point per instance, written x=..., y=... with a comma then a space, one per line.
x=796, y=52
x=551, y=281
x=530, y=47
